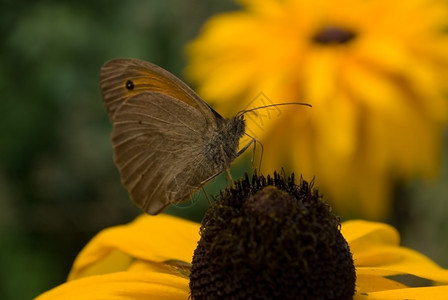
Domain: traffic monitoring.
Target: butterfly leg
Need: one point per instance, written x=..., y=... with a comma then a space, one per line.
x=253, y=141
x=210, y=178
x=229, y=177
x=206, y=196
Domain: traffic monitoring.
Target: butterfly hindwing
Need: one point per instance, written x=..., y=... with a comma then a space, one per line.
x=157, y=147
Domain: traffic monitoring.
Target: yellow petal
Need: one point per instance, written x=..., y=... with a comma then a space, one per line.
x=370, y=283
x=423, y=293
x=319, y=77
x=148, y=238
x=385, y=261
x=376, y=251
x=359, y=231
x=122, y=285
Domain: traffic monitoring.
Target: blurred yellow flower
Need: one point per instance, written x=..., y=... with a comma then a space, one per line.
x=147, y=259
x=375, y=72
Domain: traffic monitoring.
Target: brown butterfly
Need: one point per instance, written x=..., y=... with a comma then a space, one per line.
x=167, y=141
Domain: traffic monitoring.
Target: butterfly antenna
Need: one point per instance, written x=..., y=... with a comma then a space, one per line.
x=240, y=113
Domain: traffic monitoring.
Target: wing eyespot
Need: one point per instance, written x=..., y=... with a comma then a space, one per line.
x=130, y=85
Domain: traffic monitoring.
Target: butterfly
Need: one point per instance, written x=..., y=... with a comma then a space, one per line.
x=167, y=141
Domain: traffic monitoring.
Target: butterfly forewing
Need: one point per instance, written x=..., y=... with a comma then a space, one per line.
x=123, y=78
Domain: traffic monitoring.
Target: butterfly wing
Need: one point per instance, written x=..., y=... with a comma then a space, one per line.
x=157, y=149
x=160, y=127
x=119, y=74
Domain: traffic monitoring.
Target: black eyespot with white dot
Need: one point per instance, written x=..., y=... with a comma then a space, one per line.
x=130, y=85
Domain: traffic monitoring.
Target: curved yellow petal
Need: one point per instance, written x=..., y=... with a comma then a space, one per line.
x=359, y=232
x=376, y=252
x=121, y=286
x=370, y=283
x=422, y=293
x=148, y=238
x=385, y=261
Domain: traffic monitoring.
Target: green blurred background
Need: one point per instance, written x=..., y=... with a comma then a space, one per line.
x=58, y=183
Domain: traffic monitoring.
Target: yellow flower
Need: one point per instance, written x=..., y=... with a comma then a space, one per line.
x=375, y=72
x=143, y=260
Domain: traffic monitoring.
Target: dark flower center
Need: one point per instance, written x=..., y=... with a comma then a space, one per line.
x=271, y=239
x=333, y=35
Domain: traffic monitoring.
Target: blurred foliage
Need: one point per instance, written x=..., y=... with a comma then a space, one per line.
x=58, y=184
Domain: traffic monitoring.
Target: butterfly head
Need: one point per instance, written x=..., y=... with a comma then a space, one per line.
x=237, y=126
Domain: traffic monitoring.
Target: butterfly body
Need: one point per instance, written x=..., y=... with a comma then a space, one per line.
x=221, y=147
x=167, y=141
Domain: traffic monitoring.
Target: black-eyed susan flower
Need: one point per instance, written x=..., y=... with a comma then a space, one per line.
x=271, y=239
x=376, y=73
x=265, y=239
